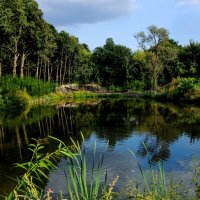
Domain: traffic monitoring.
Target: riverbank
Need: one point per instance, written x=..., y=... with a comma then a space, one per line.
x=19, y=95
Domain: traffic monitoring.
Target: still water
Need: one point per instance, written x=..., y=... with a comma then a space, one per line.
x=170, y=133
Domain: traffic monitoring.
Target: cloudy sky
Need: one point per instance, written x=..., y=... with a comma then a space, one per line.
x=93, y=21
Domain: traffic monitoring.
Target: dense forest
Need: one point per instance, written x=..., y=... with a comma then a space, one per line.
x=29, y=46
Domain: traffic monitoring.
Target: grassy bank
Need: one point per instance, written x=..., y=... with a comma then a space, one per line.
x=18, y=95
x=154, y=186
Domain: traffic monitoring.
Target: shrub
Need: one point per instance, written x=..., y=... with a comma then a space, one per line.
x=183, y=88
x=114, y=88
x=136, y=85
x=16, y=102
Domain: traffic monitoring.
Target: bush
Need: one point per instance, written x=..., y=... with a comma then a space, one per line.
x=184, y=88
x=136, y=85
x=114, y=88
x=16, y=102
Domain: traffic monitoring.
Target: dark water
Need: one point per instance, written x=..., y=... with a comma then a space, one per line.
x=170, y=133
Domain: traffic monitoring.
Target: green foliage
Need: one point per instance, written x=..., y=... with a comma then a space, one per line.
x=184, y=88
x=2, y=105
x=136, y=85
x=77, y=181
x=15, y=103
x=158, y=50
x=34, y=87
x=112, y=62
x=114, y=88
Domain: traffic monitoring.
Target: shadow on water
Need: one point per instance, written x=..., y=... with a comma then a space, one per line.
x=165, y=129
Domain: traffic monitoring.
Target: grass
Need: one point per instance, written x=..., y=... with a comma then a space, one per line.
x=155, y=186
x=31, y=85
x=17, y=95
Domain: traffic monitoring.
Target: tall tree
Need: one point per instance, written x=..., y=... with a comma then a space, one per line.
x=13, y=22
x=84, y=72
x=189, y=58
x=158, y=50
x=31, y=35
x=112, y=62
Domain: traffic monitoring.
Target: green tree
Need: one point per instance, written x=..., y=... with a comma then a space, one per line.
x=158, y=49
x=189, y=58
x=84, y=72
x=31, y=35
x=13, y=22
x=112, y=62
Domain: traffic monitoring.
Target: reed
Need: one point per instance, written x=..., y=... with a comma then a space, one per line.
x=79, y=186
x=32, y=86
x=154, y=185
x=37, y=168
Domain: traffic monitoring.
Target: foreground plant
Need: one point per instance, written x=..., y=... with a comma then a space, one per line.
x=79, y=186
x=155, y=187
x=82, y=186
x=39, y=166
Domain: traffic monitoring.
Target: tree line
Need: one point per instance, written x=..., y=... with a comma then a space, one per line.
x=29, y=46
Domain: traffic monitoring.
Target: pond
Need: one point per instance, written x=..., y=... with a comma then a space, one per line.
x=155, y=132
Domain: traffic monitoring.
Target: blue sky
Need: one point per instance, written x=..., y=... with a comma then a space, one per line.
x=93, y=21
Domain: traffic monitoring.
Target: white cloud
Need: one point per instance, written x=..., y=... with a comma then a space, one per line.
x=188, y=2
x=68, y=12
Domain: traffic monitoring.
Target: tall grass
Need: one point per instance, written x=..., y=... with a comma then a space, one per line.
x=37, y=168
x=77, y=181
x=31, y=85
x=154, y=181
x=154, y=185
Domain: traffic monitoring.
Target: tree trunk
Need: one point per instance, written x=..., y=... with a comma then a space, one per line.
x=16, y=55
x=45, y=70
x=51, y=69
x=154, y=84
x=69, y=71
x=22, y=65
x=48, y=71
x=40, y=71
x=37, y=68
x=57, y=69
x=15, y=65
x=65, y=69
x=61, y=67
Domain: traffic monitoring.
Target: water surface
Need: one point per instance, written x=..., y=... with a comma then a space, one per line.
x=170, y=133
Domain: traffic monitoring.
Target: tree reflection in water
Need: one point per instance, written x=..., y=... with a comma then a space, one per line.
x=113, y=120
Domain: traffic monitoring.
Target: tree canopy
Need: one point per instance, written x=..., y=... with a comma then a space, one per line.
x=29, y=46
